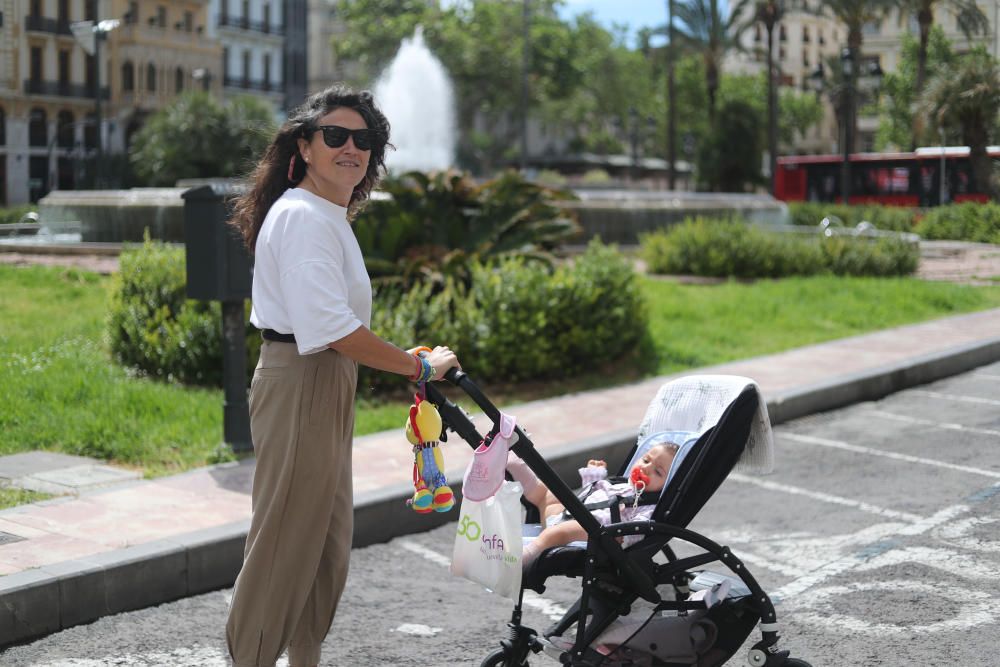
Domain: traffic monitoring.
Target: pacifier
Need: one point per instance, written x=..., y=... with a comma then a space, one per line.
x=638, y=477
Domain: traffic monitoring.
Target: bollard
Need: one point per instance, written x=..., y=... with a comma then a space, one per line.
x=220, y=269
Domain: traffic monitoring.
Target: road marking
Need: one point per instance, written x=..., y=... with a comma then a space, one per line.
x=928, y=422
x=837, y=444
x=988, y=376
x=955, y=397
x=975, y=607
x=957, y=534
x=825, y=497
x=852, y=560
x=531, y=599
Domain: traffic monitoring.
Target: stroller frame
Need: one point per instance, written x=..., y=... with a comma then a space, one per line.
x=604, y=597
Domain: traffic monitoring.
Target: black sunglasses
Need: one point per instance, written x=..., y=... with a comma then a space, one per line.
x=335, y=136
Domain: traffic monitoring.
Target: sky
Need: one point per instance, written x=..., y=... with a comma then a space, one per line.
x=635, y=13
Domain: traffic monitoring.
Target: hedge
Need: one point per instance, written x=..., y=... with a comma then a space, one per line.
x=891, y=218
x=519, y=320
x=966, y=222
x=716, y=248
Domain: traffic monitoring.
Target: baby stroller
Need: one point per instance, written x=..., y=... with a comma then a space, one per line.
x=643, y=605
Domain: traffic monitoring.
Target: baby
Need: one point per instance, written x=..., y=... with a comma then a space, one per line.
x=648, y=474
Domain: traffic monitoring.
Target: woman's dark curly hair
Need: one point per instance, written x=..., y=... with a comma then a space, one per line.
x=269, y=179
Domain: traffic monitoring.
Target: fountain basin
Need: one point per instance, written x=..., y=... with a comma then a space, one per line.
x=622, y=216
x=115, y=216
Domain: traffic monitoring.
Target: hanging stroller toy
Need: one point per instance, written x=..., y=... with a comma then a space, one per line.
x=423, y=430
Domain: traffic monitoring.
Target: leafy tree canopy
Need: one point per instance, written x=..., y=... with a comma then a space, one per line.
x=198, y=137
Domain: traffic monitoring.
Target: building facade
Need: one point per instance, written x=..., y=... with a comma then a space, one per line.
x=251, y=34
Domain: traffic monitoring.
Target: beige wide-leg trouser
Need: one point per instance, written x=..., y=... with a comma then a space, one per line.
x=299, y=543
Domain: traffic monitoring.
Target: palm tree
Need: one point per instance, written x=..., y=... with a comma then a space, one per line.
x=705, y=30
x=969, y=16
x=770, y=12
x=854, y=14
x=966, y=98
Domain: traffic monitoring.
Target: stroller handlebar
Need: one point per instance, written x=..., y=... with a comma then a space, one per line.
x=458, y=421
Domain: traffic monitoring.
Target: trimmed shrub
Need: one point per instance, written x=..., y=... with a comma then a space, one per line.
x=890, y=218
x=716, y=248
x=517, y=320
x=962, y=222
x=155, y=329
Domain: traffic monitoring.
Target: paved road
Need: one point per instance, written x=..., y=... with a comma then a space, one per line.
x=879, y=533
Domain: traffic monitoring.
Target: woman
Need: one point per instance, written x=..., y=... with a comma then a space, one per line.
x=312, y=302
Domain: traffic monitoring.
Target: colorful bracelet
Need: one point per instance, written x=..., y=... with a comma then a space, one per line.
x=427, y=372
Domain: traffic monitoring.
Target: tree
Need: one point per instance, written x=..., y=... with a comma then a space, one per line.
x=968, y=15
x=729, y=159
x=196, y=137
x=966, y=98
x=898, y=125
x=706, y=31
x=770, y=12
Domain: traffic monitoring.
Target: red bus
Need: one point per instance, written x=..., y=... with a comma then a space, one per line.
x=894, y=179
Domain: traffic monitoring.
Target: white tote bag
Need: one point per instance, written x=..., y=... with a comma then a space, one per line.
x=488, y=541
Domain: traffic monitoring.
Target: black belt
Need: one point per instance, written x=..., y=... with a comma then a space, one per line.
x=272, y=335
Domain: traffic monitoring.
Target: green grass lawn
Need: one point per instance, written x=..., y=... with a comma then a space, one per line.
x=60, y=392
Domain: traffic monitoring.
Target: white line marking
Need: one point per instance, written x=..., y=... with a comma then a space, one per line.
x=853, y=559
x=836, y=444
x=825, y=497
x=928, y=422
x=988, y=376
x=975, y=607
x=955, y=397
x=531, y=599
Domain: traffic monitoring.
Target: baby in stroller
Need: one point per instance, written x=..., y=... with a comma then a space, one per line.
x=648, y=476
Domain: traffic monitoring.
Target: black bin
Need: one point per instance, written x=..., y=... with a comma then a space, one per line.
x=218, y=265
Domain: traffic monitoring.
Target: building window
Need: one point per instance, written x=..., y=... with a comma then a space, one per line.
x=820, y=38
x=64, y=129
x=38, y=134
x=62, y=12
x=781, y=53
x=36, y=9
x=246, y=14
x=90, y=10
x=151, y=78
x=128, y=77
x=90, y=73
x=3, y=127
x=179, y=80
x=36, y=63
x=805, y=33
x=132, y=15
x=63, y=67
x=246, y=67
x=161, y=16
x=782, y=33
x=805, y=57
x=756, y=32
x=188, y=21
x=267, y=71
x=225, y=63
x=267, y=17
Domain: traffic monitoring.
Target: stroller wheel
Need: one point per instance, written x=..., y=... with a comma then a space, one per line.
x=499, y=659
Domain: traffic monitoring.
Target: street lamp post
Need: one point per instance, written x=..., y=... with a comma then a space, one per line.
x=525, y=66
x=870, y=80
x=89, y=35
x=847, y=69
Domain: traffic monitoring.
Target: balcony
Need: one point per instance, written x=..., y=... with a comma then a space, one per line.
x=43, y=24
x=243, y=23
x=60, y=89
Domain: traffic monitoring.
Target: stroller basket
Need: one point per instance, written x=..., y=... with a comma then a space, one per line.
x=644, y=605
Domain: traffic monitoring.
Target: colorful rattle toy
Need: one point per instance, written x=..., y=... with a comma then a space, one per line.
x=423, y=431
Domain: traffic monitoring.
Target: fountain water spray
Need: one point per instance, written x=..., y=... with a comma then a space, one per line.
x=416, y=96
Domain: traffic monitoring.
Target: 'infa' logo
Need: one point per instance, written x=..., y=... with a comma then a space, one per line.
x=492, y=549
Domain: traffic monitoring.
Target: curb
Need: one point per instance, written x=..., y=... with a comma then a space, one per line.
x=41, y=601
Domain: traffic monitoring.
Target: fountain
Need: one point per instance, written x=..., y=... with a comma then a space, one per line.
x=416, y=96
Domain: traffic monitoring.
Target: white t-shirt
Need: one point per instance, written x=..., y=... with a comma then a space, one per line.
x=309, y=276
